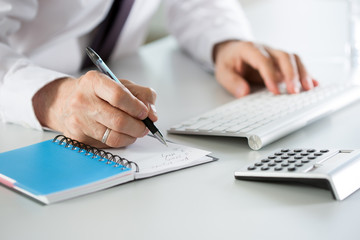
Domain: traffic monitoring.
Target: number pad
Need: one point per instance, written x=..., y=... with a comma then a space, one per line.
x=291, y=160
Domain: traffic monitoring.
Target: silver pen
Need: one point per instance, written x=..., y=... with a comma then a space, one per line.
x=95, y=58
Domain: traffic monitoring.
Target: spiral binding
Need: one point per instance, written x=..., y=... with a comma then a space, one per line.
x=96, y=152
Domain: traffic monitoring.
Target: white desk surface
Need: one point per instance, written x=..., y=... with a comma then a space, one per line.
x=203, y=202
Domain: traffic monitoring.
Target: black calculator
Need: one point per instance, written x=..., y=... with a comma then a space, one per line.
x=337, y=170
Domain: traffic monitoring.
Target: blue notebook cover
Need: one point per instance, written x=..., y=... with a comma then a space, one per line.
x=47, y=168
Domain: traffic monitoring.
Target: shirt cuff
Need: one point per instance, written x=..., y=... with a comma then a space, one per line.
x=19, y=86
x=224, y=28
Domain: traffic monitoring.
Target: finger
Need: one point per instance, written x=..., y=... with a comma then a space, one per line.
x=306, y=80
x=119, y=121
x=232, y=81
x=88, y=129
x=315, y=82
x=94, y=135
x=259, y=59
x=117, y=95
x=146, y=95
x=288, y=69
x=114, y=139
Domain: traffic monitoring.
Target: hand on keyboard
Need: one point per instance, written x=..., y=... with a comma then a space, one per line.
x=239, y=63
x=263, y=117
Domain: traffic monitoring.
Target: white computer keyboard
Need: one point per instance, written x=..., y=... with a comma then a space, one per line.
x=263, y=117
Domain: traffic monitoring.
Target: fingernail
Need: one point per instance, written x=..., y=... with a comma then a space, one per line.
x=146, y=132
x=153, y=108
x=297, y=85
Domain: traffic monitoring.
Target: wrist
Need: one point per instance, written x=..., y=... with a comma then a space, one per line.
x=219, y=48
x=46, y=102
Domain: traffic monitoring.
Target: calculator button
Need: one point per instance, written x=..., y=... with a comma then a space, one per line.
x=271, y=157
x=298, y=157
x=264, y=168
x=278, y=160
x=258, y=164
x=305, y=161
x=311, y=157
x=291, y=154
x=285, y=150
x=324, y=150
x=251, y=168
x=265, y=160
x=311, y=150
x=291, y=160
x=272, y=164
x=291, y=169
x=298, y=165
x=284, y=164
x=318, y=154
x=284, y=157
x=297, y=150
x=304, y=154
x=278, y=168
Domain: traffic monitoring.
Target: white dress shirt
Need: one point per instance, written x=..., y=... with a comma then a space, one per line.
x=36, y=37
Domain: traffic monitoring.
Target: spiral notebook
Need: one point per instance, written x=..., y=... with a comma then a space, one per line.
x=63, y=168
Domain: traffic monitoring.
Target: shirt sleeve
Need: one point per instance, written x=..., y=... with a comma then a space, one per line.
x=19, y=78
x=199, y=25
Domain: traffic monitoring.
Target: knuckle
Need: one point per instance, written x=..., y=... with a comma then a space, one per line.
x=284, y=55
x=248, y=43
x=92, y=74
x=153, y=93
x=150, y=94
x=118, y=97
x=76, y=100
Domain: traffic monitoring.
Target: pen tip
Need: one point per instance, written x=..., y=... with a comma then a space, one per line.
x=160, y=138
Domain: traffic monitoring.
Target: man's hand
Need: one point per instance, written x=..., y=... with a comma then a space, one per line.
x=84, y=108
x=239, y=63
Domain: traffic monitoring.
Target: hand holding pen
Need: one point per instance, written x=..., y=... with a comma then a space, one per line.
x=95, y=58
x=84, y=108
